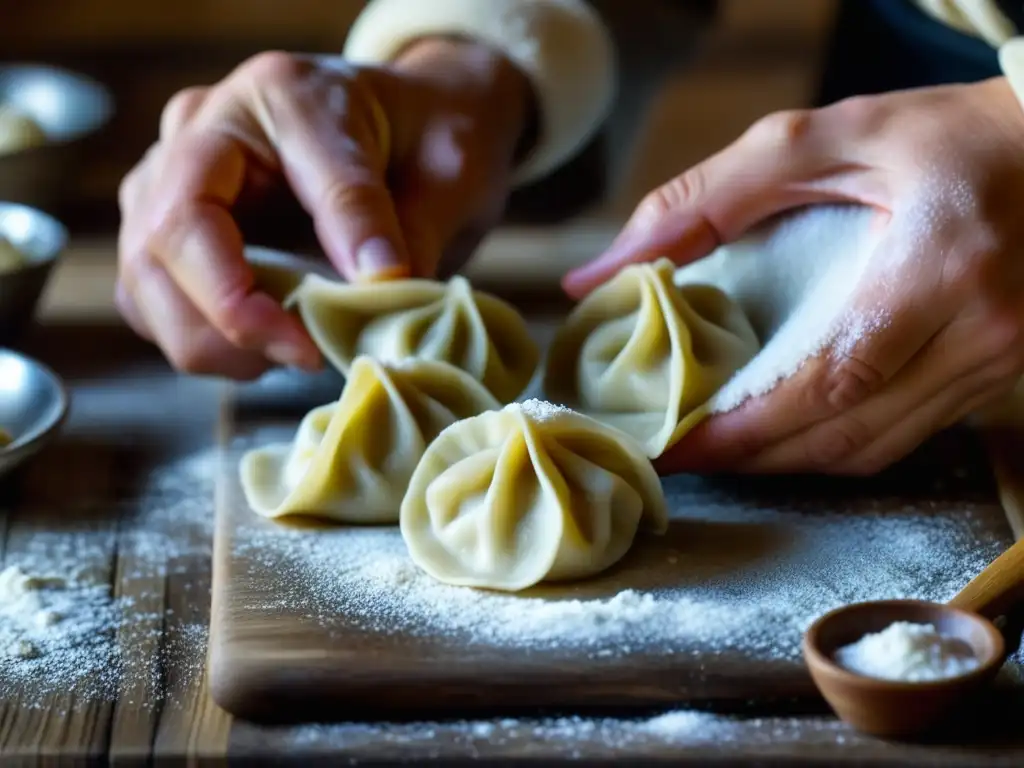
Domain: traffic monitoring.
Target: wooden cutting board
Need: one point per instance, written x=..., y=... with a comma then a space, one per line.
x=328, y=623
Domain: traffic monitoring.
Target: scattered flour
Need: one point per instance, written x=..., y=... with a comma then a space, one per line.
x=735, y=580
x=908, y=652
x=540, y=410
x=575, y=737
x=62, y=630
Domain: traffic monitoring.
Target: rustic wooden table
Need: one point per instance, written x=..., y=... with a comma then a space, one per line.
x=108, y=490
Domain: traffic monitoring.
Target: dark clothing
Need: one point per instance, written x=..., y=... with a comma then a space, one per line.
x=887, y=45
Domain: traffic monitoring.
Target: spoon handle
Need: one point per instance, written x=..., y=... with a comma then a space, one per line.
x=999, y=587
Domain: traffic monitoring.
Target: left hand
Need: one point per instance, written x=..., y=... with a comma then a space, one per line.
x=944, y=167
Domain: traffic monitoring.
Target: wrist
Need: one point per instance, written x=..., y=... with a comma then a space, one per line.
x=481, y=79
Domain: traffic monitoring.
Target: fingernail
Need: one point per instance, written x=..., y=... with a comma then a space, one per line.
x=378, y=258
x=289, y=355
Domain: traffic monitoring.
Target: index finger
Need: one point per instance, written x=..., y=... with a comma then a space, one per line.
x=784, y=161
x=198, y=242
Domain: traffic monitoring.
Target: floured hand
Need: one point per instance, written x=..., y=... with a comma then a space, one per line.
x=931, y=326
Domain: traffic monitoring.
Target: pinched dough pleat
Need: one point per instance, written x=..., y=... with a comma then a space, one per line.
x=531, y=493
x=644, y=355
x=351, y=460
x=449, y=322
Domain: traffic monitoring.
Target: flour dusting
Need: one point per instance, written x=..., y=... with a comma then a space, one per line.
x=731, y=579
x=795, y=279
x=63, y=631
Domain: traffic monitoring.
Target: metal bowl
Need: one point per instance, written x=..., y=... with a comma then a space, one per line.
x=68, y=107
x=33, y=405
x=41, y=239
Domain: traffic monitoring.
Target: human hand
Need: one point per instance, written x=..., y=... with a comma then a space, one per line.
x=402, y=170
x=942, y=294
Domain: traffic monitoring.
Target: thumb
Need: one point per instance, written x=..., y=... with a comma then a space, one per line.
x=781, y=162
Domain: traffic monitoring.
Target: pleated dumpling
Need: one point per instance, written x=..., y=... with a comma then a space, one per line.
x=531, y=493
x=644, y=356
x=450, y=322
x=351, y=460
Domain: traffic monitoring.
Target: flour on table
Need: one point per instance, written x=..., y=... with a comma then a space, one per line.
x=794, y=278
x=64, y=632
x=575, y=737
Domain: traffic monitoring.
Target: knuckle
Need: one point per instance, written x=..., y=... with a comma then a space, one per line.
x=836, y=440
x=274, y=67
x=180, y=107
x=163, y=239
x=680, y=192
x=1005, y=338
x=781, y=129
x=857, y=113
x=353, y=195
x=188, y=358
x=226, y=317
x=846, y=383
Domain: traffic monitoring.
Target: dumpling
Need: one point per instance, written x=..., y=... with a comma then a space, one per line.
x=644, y=356
x=18, y=131
x=351, y=460
x=531, y=493
x=450, y=322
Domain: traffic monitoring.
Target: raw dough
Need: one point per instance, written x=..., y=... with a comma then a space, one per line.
x=644, y=355
x=10, y=257
x=449, y=322
x=531, y=493
x=351, y=460
x=18, y=131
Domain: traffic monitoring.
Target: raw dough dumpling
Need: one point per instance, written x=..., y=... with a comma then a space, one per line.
x=531, y=493
x=351, y=460
x=18, y=131
x=399, y=319
x=643, y=355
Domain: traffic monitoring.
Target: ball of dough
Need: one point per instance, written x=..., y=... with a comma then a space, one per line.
x=530, y=493
x=18, y=131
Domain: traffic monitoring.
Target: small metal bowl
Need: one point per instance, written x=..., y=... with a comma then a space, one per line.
x=33, y=405
x=41, y=239
x=68, y=107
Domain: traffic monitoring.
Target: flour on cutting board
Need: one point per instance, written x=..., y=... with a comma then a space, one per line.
x=732, y=580
x=63, y=631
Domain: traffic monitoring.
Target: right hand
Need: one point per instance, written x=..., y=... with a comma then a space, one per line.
x=402, y=169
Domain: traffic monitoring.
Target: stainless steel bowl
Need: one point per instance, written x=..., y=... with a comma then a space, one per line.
x=68, y=107
x=33, y=405
x=42, y=239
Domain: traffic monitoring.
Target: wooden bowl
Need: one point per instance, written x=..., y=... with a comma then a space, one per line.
x=895, y=709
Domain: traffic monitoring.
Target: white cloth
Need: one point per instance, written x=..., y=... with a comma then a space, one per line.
x=562, y=46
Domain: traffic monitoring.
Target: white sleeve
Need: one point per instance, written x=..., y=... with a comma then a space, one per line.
x=562, y=47
x=1011, y=61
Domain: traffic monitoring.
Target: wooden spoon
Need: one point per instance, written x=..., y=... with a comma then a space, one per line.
x=892, y=708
